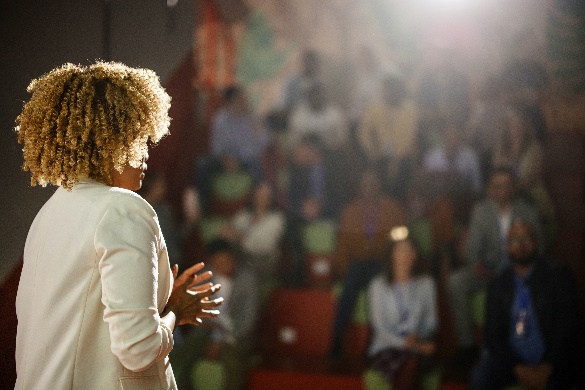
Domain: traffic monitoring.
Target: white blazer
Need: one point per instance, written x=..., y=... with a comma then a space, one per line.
x=96, y=277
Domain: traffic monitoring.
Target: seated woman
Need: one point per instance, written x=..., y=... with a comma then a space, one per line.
x=403, y=314
x=258, y=230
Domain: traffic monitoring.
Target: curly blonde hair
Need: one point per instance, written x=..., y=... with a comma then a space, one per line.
x=82, y=121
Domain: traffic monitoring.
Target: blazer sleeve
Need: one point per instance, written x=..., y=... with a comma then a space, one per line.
x=127, y=241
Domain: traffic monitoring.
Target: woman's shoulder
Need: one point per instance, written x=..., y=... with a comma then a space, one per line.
x=114, y=198
x=127, y=198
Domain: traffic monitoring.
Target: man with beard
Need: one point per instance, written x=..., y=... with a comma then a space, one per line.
x=532, y=321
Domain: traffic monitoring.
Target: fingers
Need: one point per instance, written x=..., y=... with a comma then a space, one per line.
x=191, y=272
x=208, y=314
x=201, y=295
x=201, y=287
x=200, y=278
x=175, y=271
x=207, y=304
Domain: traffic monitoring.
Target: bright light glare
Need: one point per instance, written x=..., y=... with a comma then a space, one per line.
x=450, y=4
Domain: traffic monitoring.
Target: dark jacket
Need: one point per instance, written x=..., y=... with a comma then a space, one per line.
x=555, y=301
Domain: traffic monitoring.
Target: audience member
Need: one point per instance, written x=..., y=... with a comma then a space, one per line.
x=297, y=86
x=403, y=312
x=519, y=148
x=453, y=155
x=237, y=141
x=363, y=231
x=486, y=254
x=532, y=321
x=308, y=182
x=276, y=158
x=258, y=230
x=487, y=120
x=319, y=116
x=309, y=199
x=387, y=132
x=527, y=81
x=369, y=76
x=443, y=91
x=229, y=337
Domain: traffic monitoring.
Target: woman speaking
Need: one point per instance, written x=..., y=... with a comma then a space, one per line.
x=97, y=301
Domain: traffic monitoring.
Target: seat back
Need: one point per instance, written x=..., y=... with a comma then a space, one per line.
x=319, y=243
x=230, y=192
x=298, y=322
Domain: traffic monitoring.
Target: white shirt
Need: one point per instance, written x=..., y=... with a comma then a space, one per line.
x=261, y=237
x=328, y=123
x=386, y=301
x=465, y=162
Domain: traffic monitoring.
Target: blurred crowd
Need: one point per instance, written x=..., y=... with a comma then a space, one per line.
x=455, y=167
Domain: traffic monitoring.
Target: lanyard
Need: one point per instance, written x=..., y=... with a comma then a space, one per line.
x=523, y=297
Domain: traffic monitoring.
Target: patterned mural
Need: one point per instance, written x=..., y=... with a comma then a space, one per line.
x=257, y=42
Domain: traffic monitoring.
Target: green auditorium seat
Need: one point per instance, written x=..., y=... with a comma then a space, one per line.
x=421, y=233
x=478, y=302
x=319, y=243
x=210, y=227
x=230, y=192
x=208, y=375
x=231, y=186
x=319, y=237
x=373, y=380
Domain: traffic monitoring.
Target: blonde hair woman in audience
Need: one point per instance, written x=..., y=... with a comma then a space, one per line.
x=96, y=303
x=403, y=314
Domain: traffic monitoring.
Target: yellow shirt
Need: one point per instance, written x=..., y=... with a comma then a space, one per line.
x=387, y=130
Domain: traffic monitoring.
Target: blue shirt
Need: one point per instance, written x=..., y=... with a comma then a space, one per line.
x=236, y=135
x=525, y=336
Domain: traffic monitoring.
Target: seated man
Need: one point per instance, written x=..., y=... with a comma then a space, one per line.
x=485, y=253
x=309, y=199
x=321, y=117
x=227, y=338
x=532, y=321
x=237, y=140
